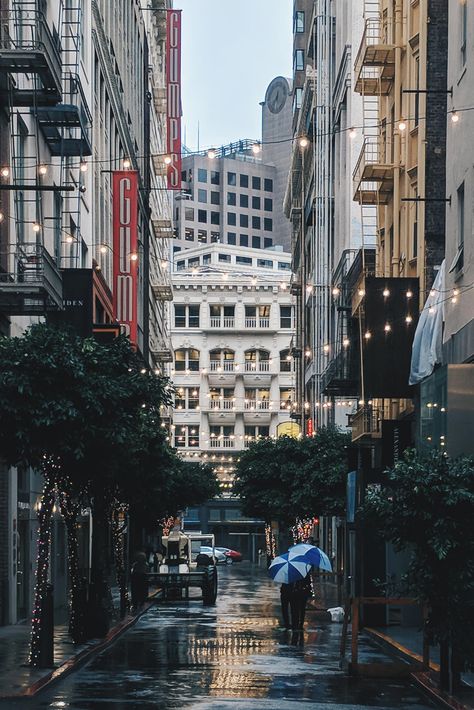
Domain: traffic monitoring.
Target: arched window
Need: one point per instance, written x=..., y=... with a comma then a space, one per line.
x=186, y=359
x=222, y=360
x=257, y=361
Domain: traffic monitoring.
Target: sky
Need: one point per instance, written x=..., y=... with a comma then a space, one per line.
x=231, y=50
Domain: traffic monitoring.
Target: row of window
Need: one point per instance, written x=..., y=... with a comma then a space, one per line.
x=222, y=398
x=244, y=200
x=188, y=359
x=244, y=180
x=188, y=436
x=203, y=216
x=188, y=316
x=215, y=238
x=215, y=515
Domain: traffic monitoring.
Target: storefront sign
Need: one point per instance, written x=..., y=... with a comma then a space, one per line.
x=292, y=429
x=173, y=96
x=309, y=427
x=125, y=249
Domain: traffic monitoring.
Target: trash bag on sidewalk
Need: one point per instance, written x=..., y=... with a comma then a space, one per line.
x=337, y=614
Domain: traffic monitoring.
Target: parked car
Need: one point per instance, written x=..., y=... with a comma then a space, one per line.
x=220, y=556
x=231, y=555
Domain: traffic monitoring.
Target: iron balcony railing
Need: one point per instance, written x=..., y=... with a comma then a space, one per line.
x=224, y=442
x=257, y=367
x=222, y=366
x=222, y=322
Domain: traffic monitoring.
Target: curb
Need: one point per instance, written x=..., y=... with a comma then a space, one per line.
x=79, y=659
x=421, y=678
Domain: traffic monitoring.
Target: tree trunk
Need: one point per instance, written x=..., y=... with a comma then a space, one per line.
x=444, y=665
x=70, y=509
x=456, y=668
x=38, y=630
x=117, y=531
x=99, y=592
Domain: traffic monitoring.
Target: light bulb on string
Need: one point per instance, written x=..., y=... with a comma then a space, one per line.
x=167, y=160
x=103, y=249
x=83, y=167
x=134, y=256
x=36, y=227
x=387, y=327
x=408, y=319
x=454, y=116
x=256, y=148
x=42, y=170
x=2, y=217
x=402, y=126
x=211, y=153
x=352, y=132
x=346, y=342
x=367, y=335
x=361, y=292
x=126, y=164
x=283, y=286
x=336, y=291
x=409, y=294
x=303, y=141
x=386, y=293
x=5, y=171
x=69, y=239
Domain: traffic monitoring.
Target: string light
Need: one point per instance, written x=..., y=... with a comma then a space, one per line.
x=36, y=227
x=256, y=148
x=409, y=294
x=2, y=217
x=133, y=256
x=346, y=342
x=454, y=117
x=211, y=153
x=303, y=141
x=336, y=291
x=386, y=293
x=5, y=171
x=42, y=170
x=167, y=160
x=367, y=335
x=387, y=327
x=361, y=292
x=402, y=126
x=352, y=132
x=408, y=319
x=103, y=249
x=126, y=163
x=83, y=167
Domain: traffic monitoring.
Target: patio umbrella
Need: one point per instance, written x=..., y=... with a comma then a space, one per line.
x=285, y=571
x=310, y=554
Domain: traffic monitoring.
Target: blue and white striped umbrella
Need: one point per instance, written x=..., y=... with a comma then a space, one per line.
x=285, y=571
x=310, y=554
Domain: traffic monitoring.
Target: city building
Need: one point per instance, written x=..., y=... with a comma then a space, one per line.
x=234, y=194
x=232, y=324
x=73, y=109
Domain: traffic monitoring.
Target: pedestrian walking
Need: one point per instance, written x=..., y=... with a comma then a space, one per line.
x=300, y=593
x=138, y=580
x=285, y=598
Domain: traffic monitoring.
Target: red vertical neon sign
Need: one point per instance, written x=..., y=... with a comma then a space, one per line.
x=125, y=246
x=173, y=96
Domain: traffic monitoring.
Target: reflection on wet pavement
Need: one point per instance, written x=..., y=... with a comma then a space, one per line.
x=233, y=655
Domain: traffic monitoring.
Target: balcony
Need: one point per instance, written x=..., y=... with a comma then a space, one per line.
x=221, y=410
x=162, y=228
x=257, y=373
x=67, y=126
x=27, y=46
x=222, y=442
x=222, y=372
x=34, y=286
x=224, y=322
x=253, y=323
x=257, y=411
x=162, y=292
x=373, y=175
x=366, y=423
x=374, y=67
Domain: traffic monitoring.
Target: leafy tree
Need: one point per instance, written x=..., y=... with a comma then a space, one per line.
x=288, y=478
x=427, y=506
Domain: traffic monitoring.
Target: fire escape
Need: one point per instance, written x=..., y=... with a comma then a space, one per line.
x=42, y=96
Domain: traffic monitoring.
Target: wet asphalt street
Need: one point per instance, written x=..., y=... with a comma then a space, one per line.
x=231, y=656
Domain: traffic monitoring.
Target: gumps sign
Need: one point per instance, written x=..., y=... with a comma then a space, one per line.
x=125, y=250
x=173, y=95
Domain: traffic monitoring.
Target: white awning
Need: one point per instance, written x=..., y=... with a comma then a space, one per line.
x=427, y=350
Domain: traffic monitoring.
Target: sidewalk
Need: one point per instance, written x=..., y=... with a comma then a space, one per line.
x=19, y=679
x=408, y=642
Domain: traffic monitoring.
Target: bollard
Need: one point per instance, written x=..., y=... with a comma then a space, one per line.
x=46, y=652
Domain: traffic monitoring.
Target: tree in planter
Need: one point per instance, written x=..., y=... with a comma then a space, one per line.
x=288, y=478
x=427, y=506
x=66, y=404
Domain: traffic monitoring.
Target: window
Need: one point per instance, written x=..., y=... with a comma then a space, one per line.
x=287, y=397
x=298, y=60
x=202, y=216
x=187, y=398
x=202, y=236
x=286, y=316
x=202, y=195
x=215, y=198
x=286, y=361
x=202, y=175
x=192, y=263
x=206, y=258
x=215, y=237
x=225, y=257
x=180, y=265
x=256, y=183
x=458, y=261
x=265, y=263
x=244, y=240
x=186, y=316
x=297, y=97
x=268, y=185
x=244, y=220
x=189, y=214
x=244, y=200
x=256, y=222
x=267, y=242
x=268, y=224
x=231, y=179
x=187, y=436
x=231, y=198
x=244, y=180
x=215, y=177
x=256, y=432
x=231, y=238
x=231, y=219
x=298, y=25
x=189, y=234
x=257, y=316
x=214, y=515
x=243, y=260
x=222, y=360
x=256, y=242
x=222, y=437
x=192, y=515
x=268, y=204
x=186, y=360
x=215, y=218
x=463, y=9
x=256, y=203
x=284, y=266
